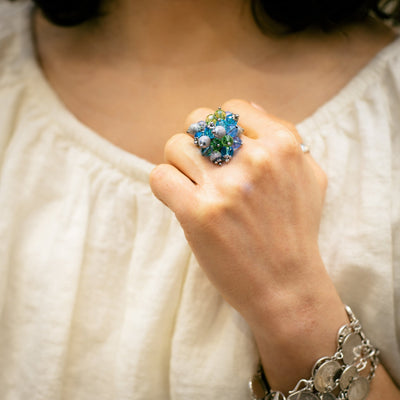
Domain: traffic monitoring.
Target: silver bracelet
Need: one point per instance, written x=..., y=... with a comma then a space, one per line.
x=332, y=378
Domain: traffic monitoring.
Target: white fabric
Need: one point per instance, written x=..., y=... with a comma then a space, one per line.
x=100, y=297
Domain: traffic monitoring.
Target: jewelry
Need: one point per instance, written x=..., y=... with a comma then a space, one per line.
x=304, y=148
x=332, y=378
x=218, y=136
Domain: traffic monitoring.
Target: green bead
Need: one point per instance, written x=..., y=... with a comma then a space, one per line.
x=227, y=141
x=211, y=118
x=216, y=144
x=220, y=114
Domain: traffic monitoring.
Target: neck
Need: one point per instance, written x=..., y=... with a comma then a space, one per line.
x=175, y=55
x=166, y=33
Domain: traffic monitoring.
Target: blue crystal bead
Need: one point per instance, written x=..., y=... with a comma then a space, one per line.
x=232, y=130
x=198, y=134
x=207, y=151
x=237, y=142
x=227, y=151
x=207, y=132
x=229, y=119
x=221, y=122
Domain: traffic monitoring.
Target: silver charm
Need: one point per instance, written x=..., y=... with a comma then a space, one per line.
x=216, y=157
x=275, y=395
x=338, y=377
x=204, y=141
x=358, y=389
x=325, y=377
x=347, y=376
x=194, y=128
x=327, y=396
x=350, y=343
x=219, y=132
x=303, y=395
x=344, y=331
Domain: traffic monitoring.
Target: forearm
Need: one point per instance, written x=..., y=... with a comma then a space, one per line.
x=298, y=331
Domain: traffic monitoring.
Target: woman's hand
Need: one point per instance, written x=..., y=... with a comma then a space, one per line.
x=253, y=226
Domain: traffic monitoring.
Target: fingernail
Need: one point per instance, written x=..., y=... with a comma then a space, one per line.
x=255, y=105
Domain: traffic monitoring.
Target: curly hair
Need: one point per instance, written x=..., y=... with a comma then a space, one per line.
x=270, y=15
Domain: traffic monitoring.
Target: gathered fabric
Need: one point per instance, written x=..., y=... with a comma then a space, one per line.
x=100, y=295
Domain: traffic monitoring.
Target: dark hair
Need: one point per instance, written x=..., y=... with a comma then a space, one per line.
x=292, y=15
x=281, y=15
x=70, y=12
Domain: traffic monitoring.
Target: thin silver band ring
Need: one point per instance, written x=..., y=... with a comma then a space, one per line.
x=304, y=148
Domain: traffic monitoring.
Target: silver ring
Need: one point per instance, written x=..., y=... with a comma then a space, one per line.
x=304, y=148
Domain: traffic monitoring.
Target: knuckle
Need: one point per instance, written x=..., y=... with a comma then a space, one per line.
x=210, y=211
x=287, y=144
x=289, y=126
x=158, y=173
x=173, y=142
x=260, y=159
x=235, y=193
x=213, y=208
x=233, y=104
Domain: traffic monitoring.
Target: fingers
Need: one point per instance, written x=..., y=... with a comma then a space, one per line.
x=264, y=134
x=257, y=123
x=278, y=135
x=181, y=152
x=172, y=187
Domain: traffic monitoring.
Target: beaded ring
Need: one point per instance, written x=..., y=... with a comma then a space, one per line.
x=218, y=136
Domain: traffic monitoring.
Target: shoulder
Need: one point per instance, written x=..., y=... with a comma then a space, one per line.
x=15, y=54
x=14, y=23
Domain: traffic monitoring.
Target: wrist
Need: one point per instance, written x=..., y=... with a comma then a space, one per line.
x=293, y=335
x=293, y=299
x=347, y=373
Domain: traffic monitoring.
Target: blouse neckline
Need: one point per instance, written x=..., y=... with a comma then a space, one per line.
x=135, y=166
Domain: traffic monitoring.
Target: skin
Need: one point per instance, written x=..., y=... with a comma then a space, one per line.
x=147, y=64
x=151, y=64
x=261, y=252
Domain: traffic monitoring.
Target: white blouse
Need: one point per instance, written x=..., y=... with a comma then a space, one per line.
x=100, y=296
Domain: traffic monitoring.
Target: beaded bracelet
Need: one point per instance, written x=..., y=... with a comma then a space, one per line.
x=337, y=377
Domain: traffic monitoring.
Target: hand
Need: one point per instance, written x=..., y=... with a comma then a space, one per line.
x=253, y=226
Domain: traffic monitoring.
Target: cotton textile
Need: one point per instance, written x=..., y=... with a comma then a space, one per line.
x=100, y=295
